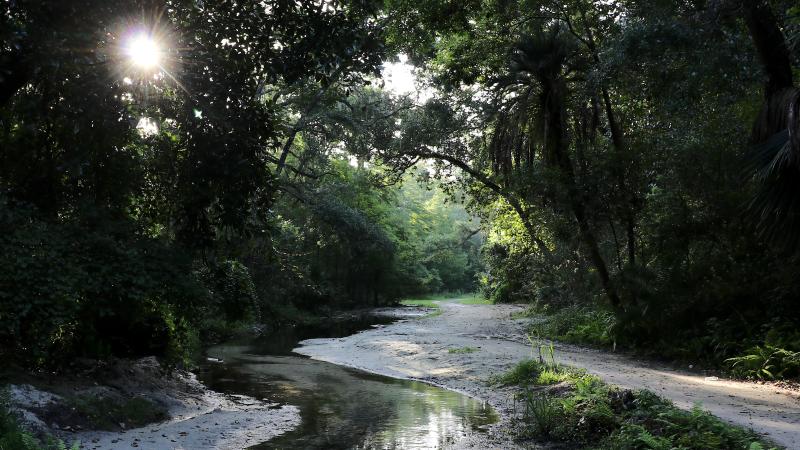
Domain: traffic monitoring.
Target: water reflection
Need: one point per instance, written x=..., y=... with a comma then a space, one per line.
x=344, y=408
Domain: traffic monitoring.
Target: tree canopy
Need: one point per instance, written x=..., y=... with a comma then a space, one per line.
x=639, y=157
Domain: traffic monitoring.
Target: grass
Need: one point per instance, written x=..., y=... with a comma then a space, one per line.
x=531, y=372
x=432, y=301
x=424, y=303
x=572, y=324
x=473, y=299
x=462, y=350
x=568, y=405
x=421, y=302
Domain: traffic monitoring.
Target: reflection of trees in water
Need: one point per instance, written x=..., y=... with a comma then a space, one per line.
x=343, y=408
x=338, y=409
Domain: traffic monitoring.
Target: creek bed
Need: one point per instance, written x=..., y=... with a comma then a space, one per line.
x=342, y=407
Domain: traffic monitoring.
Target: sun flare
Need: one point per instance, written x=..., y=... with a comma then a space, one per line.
x=144, y=51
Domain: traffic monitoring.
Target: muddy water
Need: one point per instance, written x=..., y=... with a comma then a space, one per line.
x=342, y=407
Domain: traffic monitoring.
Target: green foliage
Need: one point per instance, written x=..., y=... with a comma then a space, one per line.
x=462, y=350
x=349, y=243
x=233, y=294
x=116, y=239
x=573, y=324
x=542, y=411
x=598, y=184
x=522, y=373
x=697, y=429
x=766, y=363
x=636, y=437
x=551, y=376
x=433, y=301
x=422, y=303
x=473, y=299
x=593, y=413
x=69, y=288
x=536, y=372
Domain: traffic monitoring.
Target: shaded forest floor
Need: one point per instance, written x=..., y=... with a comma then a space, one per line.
x=434, y=349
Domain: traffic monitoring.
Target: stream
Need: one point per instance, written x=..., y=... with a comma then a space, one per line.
x=342, y=407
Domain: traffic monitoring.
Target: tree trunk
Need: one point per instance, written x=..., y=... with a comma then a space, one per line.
x=618, y=139
x=557, y=144
x=770, y=45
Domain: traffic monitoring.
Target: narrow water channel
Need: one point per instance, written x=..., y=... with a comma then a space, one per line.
x=342, y=408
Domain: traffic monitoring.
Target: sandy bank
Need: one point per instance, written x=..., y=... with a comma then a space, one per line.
x=198, y=417
x=419, y=349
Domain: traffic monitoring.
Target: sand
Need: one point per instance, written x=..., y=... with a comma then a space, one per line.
x=418, y=349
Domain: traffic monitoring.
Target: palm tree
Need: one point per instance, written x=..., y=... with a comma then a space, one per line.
x=534, y=118
x=776, y=132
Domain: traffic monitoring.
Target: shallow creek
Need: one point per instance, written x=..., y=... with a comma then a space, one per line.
x=342, y=407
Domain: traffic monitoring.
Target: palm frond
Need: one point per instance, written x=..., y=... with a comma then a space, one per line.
x=542, y=54
x=775, y=163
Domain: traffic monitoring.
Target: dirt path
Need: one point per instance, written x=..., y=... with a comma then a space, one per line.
x=419, y=349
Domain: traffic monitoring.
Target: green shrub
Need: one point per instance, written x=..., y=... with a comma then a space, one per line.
x=575, y=324
x=549, y=376
x=542, y=411
x=522, y=373
x=636, y=437
x=766, y=363
x=592, y=412
x=531, y=371
x=70, y=288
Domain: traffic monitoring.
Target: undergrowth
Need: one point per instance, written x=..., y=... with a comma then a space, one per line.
x=767, y=354
x=568, y=405
x=572, y=324
x=766, y=363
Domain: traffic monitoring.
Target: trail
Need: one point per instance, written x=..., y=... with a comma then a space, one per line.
x=418, y=349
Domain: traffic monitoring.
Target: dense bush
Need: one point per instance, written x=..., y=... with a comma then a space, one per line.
x=71, y=287
x=233, y=296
